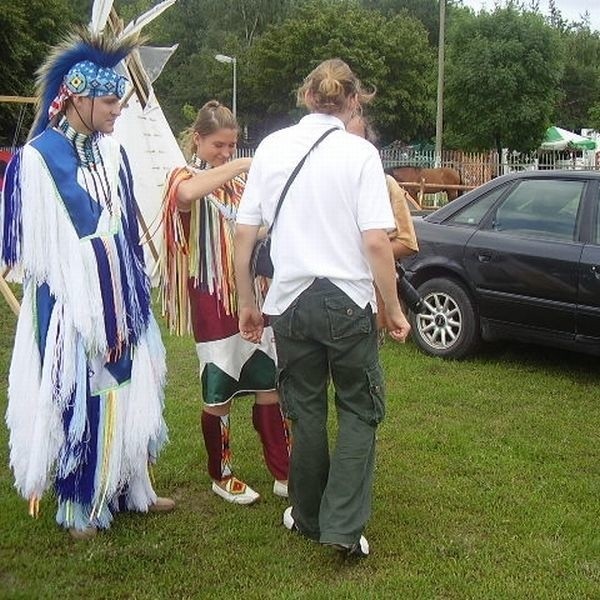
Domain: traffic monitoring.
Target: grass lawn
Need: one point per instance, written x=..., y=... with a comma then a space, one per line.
x=487, y=486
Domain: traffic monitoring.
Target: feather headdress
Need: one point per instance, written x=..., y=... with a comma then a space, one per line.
x=104, y=50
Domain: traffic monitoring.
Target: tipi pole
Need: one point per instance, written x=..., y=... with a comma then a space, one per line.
x=8, y=294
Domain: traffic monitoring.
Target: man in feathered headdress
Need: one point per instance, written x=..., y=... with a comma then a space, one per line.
x=88, y=367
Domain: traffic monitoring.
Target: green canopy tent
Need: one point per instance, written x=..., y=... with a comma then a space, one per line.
x=557, y=138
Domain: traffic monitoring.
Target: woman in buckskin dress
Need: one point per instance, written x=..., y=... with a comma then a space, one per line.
x=199, y=295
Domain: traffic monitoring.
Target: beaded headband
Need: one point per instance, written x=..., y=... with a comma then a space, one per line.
x=87, y=79
x=82, y=65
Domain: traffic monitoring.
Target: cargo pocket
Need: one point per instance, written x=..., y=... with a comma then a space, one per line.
x=286, y=395
x=347, y=318
x=282, y=324
x=375, y=411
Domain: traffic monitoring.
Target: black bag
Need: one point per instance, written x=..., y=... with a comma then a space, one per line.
x=260, y=261
x=406, y=290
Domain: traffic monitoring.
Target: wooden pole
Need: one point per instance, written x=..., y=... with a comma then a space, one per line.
x=19, y=99
x=8, y=295
x=421, y=185
x=146, y=232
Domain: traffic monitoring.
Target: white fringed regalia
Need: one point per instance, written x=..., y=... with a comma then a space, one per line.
x=88, y=368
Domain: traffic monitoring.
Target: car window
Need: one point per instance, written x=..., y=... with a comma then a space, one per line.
x=473, y=213
x=540, y=208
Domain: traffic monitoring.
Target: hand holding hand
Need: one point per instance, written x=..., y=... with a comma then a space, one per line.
x=243, y=164
x=251, y=324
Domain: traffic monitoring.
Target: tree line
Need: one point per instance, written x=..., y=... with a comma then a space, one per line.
x=510, y=72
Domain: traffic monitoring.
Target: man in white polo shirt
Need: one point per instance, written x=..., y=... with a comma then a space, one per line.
x=328, y=243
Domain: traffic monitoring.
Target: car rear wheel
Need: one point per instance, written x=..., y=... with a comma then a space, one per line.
x=447, y=325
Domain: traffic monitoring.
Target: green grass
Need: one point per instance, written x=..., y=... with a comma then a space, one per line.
x=487, y=486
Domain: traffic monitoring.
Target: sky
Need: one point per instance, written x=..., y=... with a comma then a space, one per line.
x=571, y=10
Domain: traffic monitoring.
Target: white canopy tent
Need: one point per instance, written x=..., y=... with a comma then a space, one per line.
x=557, y=138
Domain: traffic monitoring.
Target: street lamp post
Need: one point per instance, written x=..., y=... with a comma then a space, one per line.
x=232, y=60
x=439, y=121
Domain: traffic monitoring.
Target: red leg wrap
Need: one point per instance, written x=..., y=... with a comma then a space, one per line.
x=216, y=440
x=273, y=431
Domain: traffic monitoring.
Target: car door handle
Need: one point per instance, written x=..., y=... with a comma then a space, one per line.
x=596, y=271
x=484, y=257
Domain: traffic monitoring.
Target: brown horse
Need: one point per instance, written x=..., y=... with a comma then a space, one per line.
x=442, y=177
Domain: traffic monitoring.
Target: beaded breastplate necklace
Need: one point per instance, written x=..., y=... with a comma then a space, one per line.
x=196, y=164
x=89, y=157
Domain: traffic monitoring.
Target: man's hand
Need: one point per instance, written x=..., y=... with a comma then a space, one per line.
x=251, y=324
x=398, y=325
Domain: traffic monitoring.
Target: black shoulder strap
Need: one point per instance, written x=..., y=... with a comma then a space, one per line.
x=291, y=178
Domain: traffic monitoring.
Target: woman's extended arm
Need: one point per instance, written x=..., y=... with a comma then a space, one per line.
x=206, y=181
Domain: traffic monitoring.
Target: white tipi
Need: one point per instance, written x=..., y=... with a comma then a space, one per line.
x=142, y=128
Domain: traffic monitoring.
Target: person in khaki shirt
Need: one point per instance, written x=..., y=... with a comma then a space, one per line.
x=403, y=238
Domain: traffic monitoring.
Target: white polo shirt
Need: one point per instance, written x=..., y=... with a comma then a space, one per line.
x=339, y=193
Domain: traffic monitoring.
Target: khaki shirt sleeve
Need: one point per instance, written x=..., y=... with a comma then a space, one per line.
x=405, y=231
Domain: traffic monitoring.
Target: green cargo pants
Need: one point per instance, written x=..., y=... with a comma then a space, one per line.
x=324, y=332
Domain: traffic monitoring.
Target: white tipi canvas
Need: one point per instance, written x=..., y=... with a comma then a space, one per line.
x=153, y=151
x=143, y=130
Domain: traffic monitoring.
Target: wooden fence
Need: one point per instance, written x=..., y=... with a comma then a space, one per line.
x=476, y=168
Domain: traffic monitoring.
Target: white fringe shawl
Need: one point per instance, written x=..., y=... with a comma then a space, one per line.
x=38, y=397
x=139, y=427
x=52, y=253
x=33, y=420
x=145, y=431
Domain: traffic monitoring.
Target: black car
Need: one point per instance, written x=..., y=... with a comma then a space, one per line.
x=517, y=258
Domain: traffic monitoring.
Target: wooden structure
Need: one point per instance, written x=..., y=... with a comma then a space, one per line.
x=19, y=99
x=422, y=188
x=10, y=298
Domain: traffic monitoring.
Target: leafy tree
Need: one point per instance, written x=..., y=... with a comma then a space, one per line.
x=502, y=76
x=81, y=10
x=27, y=30
x=580, y=82
x=203, y=28
x=391, y=55
x=594, y=116
x=426, y=11
x=247, y=18
x=555, y=18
